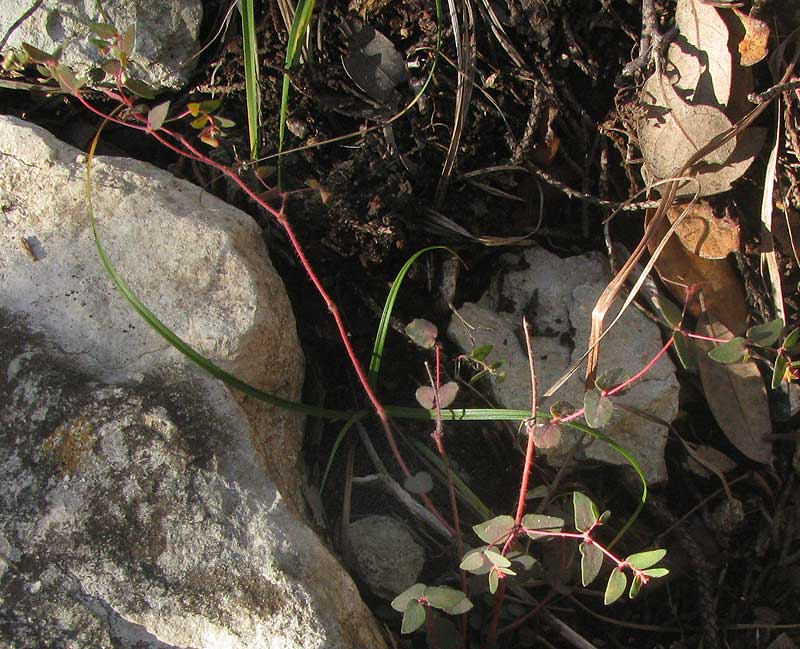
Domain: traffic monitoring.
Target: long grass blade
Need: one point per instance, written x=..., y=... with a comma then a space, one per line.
x=302, y=18
x=252, y=90
x=388, y=307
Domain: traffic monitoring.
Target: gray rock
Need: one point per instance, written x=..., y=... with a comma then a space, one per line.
x=198, y=263
x=558, y=296
x=136, y=516
x=385, y=554
x=166, y=34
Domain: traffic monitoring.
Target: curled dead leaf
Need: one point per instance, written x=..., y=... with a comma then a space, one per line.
x=723, y=293
x=754, y=47
x=703, y=232
x=703, y=28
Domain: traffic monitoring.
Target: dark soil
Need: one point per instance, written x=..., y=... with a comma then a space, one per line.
x=556, y=103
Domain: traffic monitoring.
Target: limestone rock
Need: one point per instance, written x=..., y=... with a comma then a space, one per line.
x=198, y=263
x=558, y=296
x=136, y=516
x=166, y=34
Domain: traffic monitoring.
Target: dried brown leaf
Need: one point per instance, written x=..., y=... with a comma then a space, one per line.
x=754, y=47
x=703, y=232
x=672, y=131
x=723, y=294
x=703, y=28
x=737, y=397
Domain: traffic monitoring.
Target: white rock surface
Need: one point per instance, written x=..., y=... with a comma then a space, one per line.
x=199, y=264
x=558, y=296
x=137, y=517
x=166, y=34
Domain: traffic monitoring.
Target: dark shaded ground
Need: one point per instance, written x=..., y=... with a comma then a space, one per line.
x=555, y=102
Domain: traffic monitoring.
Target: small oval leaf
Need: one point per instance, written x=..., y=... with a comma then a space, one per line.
x=591, y=562
x=443, y=597
x=495, y=530
x=730, y=352
x=422, y=333
x=765, y=334
x=779, y=371
x=617, y=583
x=586, y=513
x=656, y=572
x=157, y=115
x=597, y=409
x=414, y=592
x=413, y=617
x=642, y=560
x=542, y=523
x=419, y=483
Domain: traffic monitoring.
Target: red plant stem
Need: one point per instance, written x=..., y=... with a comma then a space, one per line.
x=701, y=337
x=619, y=388
x=530, y=451
x=643, y=371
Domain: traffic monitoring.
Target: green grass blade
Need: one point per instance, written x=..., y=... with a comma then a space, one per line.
x=300, y=22
x=339, y=438
x=177, y=342
x=252, y=90
x=388, y=307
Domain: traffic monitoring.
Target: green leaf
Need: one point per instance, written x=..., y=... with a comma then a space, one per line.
x=779, y=370
x=422, y=333
x=791, y=339
x=656, y=573
x=603, y=518
x=140, y=89
x=412, y=593
x=495, y=530
x=540, y=522
x=157, y=115
x=611, y=378
x=35, y=55
x=475, y=561
x=127, y=42
x=494, y=581
x=224, y=122
x=617, y=583
x=103, y=30
x=730, y=352
x=444, y=597
x=497, y=559
x=561, y=409
x=591, y=562
x=480, y=353
x=200, y=122
x=425, y=395
x=765, y=334
x=669, y=311
x=597, y=409
x=413, y=617
x=636, y=585
x=419, y=483
x=210, y=105
x=100, y=44
x=586, y=513
x=642, y=560
x=67, y=80
x=462, y=607
x=251, y=67
x=685, y=350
